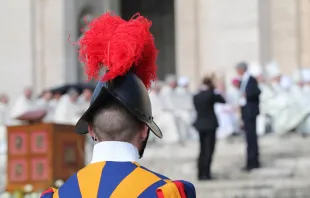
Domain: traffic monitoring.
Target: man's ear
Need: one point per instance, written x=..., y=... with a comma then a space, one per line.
x=144, y=133
x=91, y=130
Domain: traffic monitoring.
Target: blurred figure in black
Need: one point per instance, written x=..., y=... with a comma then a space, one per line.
x=249, y=102
x=206, y=124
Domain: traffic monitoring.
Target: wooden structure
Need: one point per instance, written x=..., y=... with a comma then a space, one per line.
x=40, y=154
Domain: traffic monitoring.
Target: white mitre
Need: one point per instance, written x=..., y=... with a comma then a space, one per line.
x=306, y=75
x=273, y=70
x=183, y=81
x=255, y=69
x=170, y=78
x=286, y=82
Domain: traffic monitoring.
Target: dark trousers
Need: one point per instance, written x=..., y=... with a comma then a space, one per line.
x=207, y=144
x=252, y=144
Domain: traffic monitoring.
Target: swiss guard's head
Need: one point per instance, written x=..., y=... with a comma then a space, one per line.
x=121, y=55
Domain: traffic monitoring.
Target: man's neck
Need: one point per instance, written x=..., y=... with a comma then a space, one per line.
x=115, y=151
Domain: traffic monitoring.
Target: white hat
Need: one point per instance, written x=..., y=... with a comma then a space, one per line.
x=170, y=78
x=183, y=81
x=286, y=82
x=306, y=75
x=272, y=69
x=157, y=84
x=255, y=69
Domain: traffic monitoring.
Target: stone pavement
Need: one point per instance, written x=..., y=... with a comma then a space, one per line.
x=285, y=171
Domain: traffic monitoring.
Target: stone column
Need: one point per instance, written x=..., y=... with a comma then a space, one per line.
x=16, y=70
x=285, y=33
x=304, y=37
x=187, y=40
x=229, y=33
x=48, y=31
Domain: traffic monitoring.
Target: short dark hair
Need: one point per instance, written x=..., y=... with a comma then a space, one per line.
x=209, y=81
x=114, y=123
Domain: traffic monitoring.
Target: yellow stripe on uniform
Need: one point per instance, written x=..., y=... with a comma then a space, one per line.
x=136, y=163
x=89, y=179
x=135, y=183
x=55, y=195
x=170, y=190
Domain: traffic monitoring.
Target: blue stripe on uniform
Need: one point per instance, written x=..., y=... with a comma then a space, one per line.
x=157, y=174
x=150, y=192
x=112, y=175
x=70, y=188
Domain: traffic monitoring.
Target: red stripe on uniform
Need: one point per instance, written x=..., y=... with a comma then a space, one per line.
x=49, y=191
x=181, y=188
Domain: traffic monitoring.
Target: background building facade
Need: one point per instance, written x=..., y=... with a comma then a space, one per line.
x=194, y=37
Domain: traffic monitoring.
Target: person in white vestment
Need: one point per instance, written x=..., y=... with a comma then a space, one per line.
x=84, y=102
x=68, y=110
x=184, y=109
x=84, y=99
x=304, y=126
x=225, y=114
x=3, y=138
x=23, y=104
x=168, y=91
x=170, y=100
x=164, y=119
x=4, y=100
x=44, y=102
x=232, y=98
x=284, y=106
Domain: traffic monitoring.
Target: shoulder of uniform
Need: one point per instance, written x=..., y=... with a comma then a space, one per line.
x=48, y=193
x=157, y=174
x=175, y=189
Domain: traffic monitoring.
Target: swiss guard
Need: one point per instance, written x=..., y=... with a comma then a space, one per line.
x=119, y=118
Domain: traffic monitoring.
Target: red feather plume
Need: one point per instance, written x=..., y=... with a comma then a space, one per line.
x=119, y=45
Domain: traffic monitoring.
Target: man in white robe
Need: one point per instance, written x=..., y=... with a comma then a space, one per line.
x=44, y=103
x=232, y=98
x=68, y=110
x=304, y=89
x=3, y=139
x=225, y=113
x=184, y=109
x=84, y=99
x=164, y=118
x=170, y=100
x=284, y=106
x=84, y=102
x=23, y=104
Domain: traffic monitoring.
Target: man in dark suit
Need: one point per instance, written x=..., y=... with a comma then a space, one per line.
x=206, y=124
x=249, y=102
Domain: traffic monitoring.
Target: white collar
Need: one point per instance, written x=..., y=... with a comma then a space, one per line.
x=115, y=151
x=245, y=77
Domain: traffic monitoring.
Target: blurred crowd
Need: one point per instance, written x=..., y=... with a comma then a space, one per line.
x=62, y=108
x=284, y=104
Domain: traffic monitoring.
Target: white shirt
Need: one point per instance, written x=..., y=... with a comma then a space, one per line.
x=244, y=81
x=115, y=151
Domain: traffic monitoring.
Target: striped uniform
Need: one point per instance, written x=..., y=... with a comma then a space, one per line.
x=120, y=180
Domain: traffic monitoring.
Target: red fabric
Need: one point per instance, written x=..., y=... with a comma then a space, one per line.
x=181, y=188
x=47, y=192
x=160, y=194
x=119, y=46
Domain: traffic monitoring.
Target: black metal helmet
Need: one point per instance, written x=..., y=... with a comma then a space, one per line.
x=130, y=92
